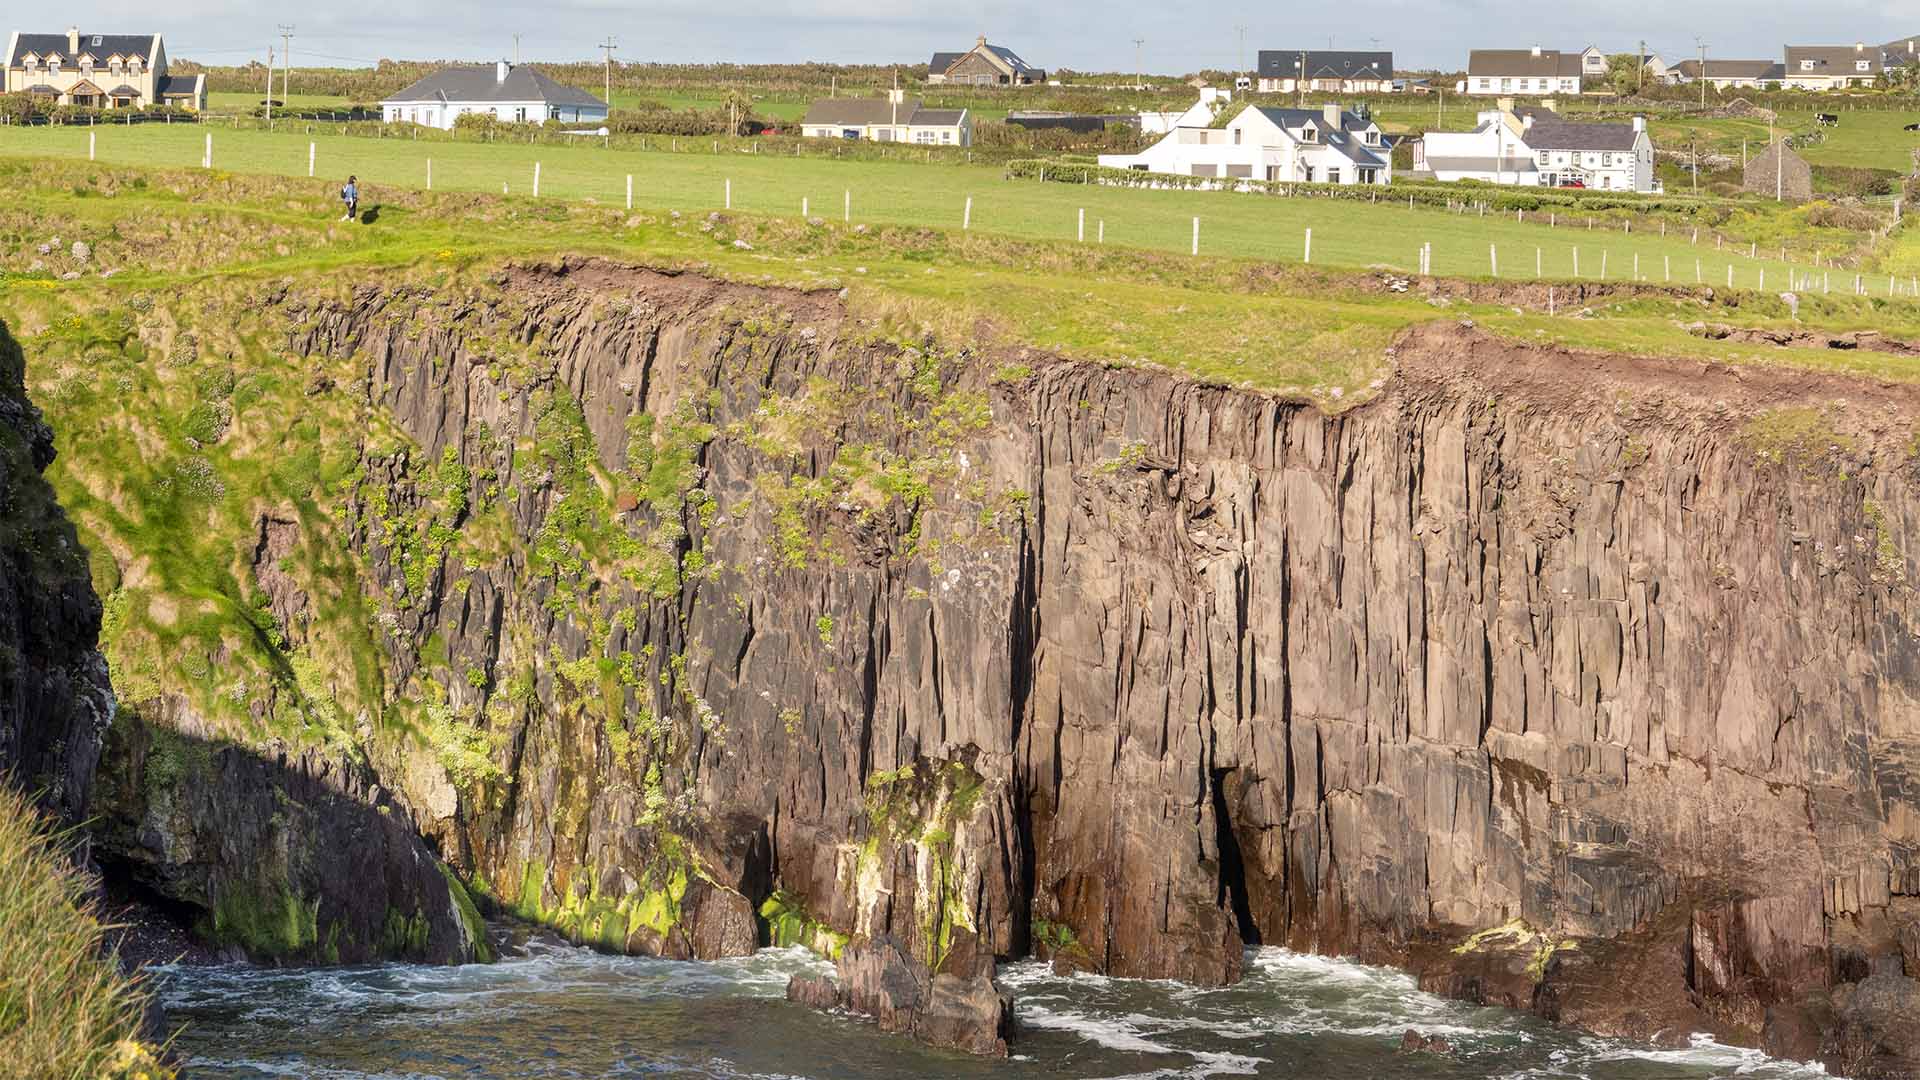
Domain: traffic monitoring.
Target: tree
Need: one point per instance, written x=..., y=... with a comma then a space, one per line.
x=1623, y=73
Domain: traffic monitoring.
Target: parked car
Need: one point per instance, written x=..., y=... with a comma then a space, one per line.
x=1573, y=183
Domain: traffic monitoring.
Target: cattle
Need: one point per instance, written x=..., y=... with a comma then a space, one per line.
x=1826, y=119
x=1912, y=127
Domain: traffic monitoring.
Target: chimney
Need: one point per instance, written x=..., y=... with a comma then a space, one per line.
x=1536, y=52
x=897, y=96
x=500, y=69
x=73, y=42
x=1639, y=124
x=1859, y=46
x=1506, y=104
x=980, y=42
x=1330, y=115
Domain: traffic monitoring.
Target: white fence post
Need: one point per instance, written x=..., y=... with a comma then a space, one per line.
x=1576, y=262
x=966, y=216
x=1102, y=231
x=1196, y=236
x=805, y=207
x=1493, y=258
x=1729, y=275
x=1537, y=263
x=89, y=144
x=206, y=159
x=729, y=192
x=1080, y=230
x=536, y=179
x=1308, y=256
x=846, y=212
x=1666, y=267
x=629, y=190
x=1636, y=266
x=429, y=174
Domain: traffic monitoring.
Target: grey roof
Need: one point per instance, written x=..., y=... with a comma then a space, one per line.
x=1561, y=135
x=1761, y=70
x=942, y=61
x=123, y=90
x=178, y=86
x=458, y=84
x=861, y=112
x=1507, y=63
x=1833, y=60
x=1285, y=64
x=140, y=45
x=42, y=88
x=1342, y=140
x=1906, y=50
x=1013, y=60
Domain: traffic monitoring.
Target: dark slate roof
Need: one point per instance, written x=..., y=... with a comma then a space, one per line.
x=860, y=112
x=1285, y=64
x=1732, y=69
x=1343, y=140
x=481, y=84
x=140, y=45
x=1561, y=135
x=123, y=90
x=1508, y=63
x=43, y=88
x=178, y=86
x=1293, y=118
x=1013, y=60
x=942, y=61
x=1903, y=51
x=1831, y=60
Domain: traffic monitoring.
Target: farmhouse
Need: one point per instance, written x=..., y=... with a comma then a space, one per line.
x=1535, y=147
x=514, y=95
x=1730, y=74
x=983, y=65
x=1325, y=145
x=1496, y=72
x=894, y=119
x=1284, y=71
x=1833, y=67
x=104, y=71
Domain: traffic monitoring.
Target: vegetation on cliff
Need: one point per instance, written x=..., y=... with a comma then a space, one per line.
x=67, y=1011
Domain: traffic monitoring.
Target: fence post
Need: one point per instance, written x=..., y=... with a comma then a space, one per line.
x=206, y=159
x=1697, y=279
x=966, y=216
x=1636, y=266
x=1666, y=267
x=1603, y=264
x=1493, y=258
x=1308, y=257
x=846, y=211
x=1576, y=262
x=89, y=144
x=1080, y=229
x=1101, y=231
x=1196, y=236
x=536, y=179
x=729, y=193
x=629, y=190
x=806, y=207
x=310, y=154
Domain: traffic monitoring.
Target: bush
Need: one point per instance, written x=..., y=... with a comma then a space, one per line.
x=66, y=1010
x=1856, y=182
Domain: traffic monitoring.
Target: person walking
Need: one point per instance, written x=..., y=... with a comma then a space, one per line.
x=351, y=196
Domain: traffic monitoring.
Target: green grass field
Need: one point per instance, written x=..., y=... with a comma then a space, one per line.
x=1868, y=139
x=1345, y=234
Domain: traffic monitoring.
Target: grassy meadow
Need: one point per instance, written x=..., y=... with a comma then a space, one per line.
x=1345, y=234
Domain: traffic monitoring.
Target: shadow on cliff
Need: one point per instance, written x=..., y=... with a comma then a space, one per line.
x=292, y=858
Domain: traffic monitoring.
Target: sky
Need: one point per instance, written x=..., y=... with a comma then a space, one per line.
x=1084, y=35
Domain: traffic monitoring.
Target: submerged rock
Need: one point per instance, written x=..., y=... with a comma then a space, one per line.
x=882, y=980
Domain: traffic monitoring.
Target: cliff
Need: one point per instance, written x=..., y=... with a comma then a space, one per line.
x=55, y=698
x=708, y=617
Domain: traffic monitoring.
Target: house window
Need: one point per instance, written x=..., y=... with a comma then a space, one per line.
x=1506, y=84
x=1308, y=170
x=1333, y=176
x=1806, y=65
x=923, y=136
x=946, y=136
x=1543, y=158
x=1373, y=138
x=1861, y=65
x=1236, y=136
x=1369, y=176
x=1308, y=134
x=1606, y=159
x=520, y=115
x=1485, y=84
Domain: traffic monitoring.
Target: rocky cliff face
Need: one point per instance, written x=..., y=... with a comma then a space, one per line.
x=55, y=698
x=741, y=622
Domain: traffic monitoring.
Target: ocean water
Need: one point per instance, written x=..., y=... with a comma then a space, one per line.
x=561, y=1012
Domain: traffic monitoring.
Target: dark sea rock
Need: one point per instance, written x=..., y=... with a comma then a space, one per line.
x=882, y=980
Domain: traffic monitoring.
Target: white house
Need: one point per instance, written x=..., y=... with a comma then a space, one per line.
x=1730, y=74
x=1199, y=114
x=1325, y=145
x=515, y=95
x=1284, y=71
x=1506, y=72
x=1833, y=67
x=1535, y=147
x=895, y=119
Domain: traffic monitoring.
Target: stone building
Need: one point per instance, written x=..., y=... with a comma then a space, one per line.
x=1778, y=171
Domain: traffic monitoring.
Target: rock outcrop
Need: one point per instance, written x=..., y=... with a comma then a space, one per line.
x=55, y=697
x=881, y=979
x=766, y=619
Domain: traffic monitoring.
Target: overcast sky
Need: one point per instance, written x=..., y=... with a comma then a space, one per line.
x=1086, y=35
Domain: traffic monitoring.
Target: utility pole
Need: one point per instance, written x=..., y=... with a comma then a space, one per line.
x=1642, y=83
x=1137, y=44
x=1703, y=90
x=609, y=45
x=286, y=61
x=1300, y=83
x=269, y=101
x=1243, y=49
x=516, y=50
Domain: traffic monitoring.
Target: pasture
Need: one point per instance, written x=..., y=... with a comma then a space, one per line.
x=1386, y=235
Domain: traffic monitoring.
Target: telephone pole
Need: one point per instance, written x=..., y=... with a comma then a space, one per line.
x=286, y=62
x=1703, y=81
x=1641, y=85
x=516, y=50
x=1300, y=82
x=269, y=101
x=609, y=45
x=1138, y=43
x=1243, y=49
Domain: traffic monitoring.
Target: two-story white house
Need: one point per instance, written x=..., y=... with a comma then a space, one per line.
x=514, y=95
x=104, y=71
x=1316, y=146
x=1507, y=72
x=1535, y=147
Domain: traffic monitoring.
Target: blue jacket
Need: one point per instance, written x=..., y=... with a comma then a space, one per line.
x=350, y=193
